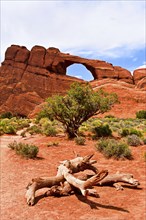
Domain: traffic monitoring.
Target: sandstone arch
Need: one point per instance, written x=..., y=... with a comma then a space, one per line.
x=27, y=78
x=80, y=71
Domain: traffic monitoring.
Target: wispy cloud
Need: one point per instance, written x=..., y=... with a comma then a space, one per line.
x=88, y=28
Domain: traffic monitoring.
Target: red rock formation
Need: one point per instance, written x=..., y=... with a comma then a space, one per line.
x=124, y=75
x=28, y=77
x=131, y=99
x=139, y=74
x=141, y=84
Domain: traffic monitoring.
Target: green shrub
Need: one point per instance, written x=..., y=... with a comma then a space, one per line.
x=23, y=123
x=25, y=150
x=80, y=140
x=34, y=130
x=44, y=113
x=136, y=132
x=133, y=140
x=9, y=129
x=109, y=116
x=102, y=131
x=102, y=144
x=50, y=131
x=13, y=145
x=6, y=115
x=11, y=125
x=141, y=114
x=44, y=122
x=144, y=141
x=125, y=132
x=23, y=134
x=130, y=131
x=112, y=148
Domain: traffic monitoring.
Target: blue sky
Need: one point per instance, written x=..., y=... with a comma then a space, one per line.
x=113, y=31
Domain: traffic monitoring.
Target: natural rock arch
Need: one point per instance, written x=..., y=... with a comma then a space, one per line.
x=29, y=77
x=77, y=70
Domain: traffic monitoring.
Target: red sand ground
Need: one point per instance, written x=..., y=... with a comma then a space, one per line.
x=16, y=172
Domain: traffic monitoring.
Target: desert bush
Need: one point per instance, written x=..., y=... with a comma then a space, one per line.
x=23, y=134
x=34, y=130
x=13, y=145
x=50, y=131
x=11, y=125
x=133, y=140
x=130, y=131
x=136, y=132
x=44, y=122
x=80, y=140
x=109, y=116
x=144, y=140
x=1, y=131
x=25, y=150
x=6, y=115
x=141, y=114
x=112, y=148
x=44, y=113
x=23, y=123
x=124, y=132
x=9, y=129
x=102, y=131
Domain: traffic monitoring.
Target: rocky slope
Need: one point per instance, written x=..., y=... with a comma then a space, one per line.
x=27, y=78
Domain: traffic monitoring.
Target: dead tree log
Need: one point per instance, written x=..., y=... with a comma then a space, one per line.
x=80, y=184
x=117, y=178
x=64, y=183
x=110, y=180
x=72, y=166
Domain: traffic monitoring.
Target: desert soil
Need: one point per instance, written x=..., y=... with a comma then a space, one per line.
x=16, y=172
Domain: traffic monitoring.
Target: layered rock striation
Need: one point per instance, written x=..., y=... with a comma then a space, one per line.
x=27, y=78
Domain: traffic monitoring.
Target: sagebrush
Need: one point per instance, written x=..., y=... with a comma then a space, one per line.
x=113, y=148
x=25, y=150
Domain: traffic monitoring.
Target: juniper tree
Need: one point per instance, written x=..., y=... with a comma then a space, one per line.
x=79, y=104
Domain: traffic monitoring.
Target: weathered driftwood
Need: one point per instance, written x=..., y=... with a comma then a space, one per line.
x=65, y=183
x=111, y=179
x=117, y=178
x=64, y=171
x=81, y=184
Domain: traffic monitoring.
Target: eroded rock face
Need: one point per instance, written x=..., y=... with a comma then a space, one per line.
x=139, y=74
x=28, y=77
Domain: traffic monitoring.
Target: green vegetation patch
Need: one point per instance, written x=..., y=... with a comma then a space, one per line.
x=25, y=150
x=134, y=140
x=141, y=114
x=102, y=130
x=80, y=140
x=112, y=148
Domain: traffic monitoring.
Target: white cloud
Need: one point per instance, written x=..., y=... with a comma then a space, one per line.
x=105, y=28
x=141, y=67
x=79, y=76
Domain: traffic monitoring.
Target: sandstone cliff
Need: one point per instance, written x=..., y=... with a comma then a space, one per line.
x=28, y=77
